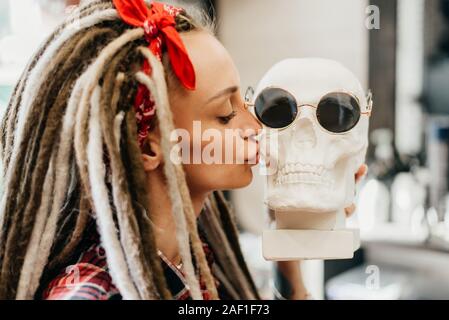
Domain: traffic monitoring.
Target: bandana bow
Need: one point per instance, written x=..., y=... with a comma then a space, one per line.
x=158, y=22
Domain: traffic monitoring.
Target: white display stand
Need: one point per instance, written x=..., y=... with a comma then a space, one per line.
x=310, y=235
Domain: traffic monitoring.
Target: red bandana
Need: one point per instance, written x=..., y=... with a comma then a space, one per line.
x=158, y=22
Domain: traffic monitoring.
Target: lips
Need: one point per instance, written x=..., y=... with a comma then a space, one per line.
x=253, y=154
x=253, y=160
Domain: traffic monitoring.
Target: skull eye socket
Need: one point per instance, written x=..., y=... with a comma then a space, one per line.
x=275, y=108
x=338, y=112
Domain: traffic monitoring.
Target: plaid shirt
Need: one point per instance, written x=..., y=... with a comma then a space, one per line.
x=88, y=278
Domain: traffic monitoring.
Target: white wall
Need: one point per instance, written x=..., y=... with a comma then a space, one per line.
x=259, y=33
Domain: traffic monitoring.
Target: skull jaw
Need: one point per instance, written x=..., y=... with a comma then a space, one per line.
x=309, y=197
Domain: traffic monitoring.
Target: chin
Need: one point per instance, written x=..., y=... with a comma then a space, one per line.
x=242, y=180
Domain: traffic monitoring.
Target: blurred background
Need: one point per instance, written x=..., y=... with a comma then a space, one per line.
x=397, y=48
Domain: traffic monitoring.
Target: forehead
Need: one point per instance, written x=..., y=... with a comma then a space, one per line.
x=309, y=79
x=214, y=68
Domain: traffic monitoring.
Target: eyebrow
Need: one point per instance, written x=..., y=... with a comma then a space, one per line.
x=223, y=92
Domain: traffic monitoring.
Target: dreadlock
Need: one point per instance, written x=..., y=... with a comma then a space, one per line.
x=71, y=162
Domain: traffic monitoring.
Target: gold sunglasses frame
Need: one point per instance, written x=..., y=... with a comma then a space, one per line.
x=369, y=107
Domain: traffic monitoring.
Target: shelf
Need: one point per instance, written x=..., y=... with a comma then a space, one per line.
x=390, y=234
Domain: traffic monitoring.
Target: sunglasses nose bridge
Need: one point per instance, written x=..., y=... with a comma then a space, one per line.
x=306, y=111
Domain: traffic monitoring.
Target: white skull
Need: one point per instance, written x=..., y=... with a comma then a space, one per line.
x=314, y=168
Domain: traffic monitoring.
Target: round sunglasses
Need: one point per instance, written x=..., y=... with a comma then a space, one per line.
x=336, y=112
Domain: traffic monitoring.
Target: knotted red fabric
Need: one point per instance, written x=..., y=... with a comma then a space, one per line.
x=158, y=22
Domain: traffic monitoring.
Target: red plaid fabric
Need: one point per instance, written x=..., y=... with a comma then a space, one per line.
x=88, y=278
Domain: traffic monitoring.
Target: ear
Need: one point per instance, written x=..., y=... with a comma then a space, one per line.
x=152, y=153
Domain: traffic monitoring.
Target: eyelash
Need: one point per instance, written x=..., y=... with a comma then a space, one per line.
x=226, y=119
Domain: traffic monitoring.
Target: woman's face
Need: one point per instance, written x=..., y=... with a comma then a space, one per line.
x=222, y=147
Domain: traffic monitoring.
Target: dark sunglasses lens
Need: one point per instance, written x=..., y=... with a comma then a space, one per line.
x=275, y=108
x=338, y=112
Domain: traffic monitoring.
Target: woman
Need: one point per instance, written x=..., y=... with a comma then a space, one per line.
x=93, y=205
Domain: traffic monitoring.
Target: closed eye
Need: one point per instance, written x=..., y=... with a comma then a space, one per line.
x=226, y=119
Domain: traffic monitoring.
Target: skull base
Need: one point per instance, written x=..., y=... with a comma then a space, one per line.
x=309, y=235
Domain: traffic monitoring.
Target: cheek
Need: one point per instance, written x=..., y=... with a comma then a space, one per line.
x=224, y=154
x=213, y=146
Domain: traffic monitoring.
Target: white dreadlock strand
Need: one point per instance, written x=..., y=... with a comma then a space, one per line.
x=117, y=123
x=105, y=221
x=9, y=115
x=26, y=288
x=122, y=203
x=95, y=71
x=175, y=197
x=161, y=87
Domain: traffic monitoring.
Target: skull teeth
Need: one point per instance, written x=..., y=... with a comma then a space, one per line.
x=303, y=173
x=304, y=177
x=302, y=168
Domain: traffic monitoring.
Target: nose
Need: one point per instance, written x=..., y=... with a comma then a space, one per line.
x=250, y=126
x=304, y=128
x=249, y=129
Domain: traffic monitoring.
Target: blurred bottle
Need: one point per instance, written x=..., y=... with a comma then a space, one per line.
x=373, y=201
x=408, y=199
x=437, y=160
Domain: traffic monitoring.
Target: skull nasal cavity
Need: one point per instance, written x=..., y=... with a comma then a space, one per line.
x=304, y=133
